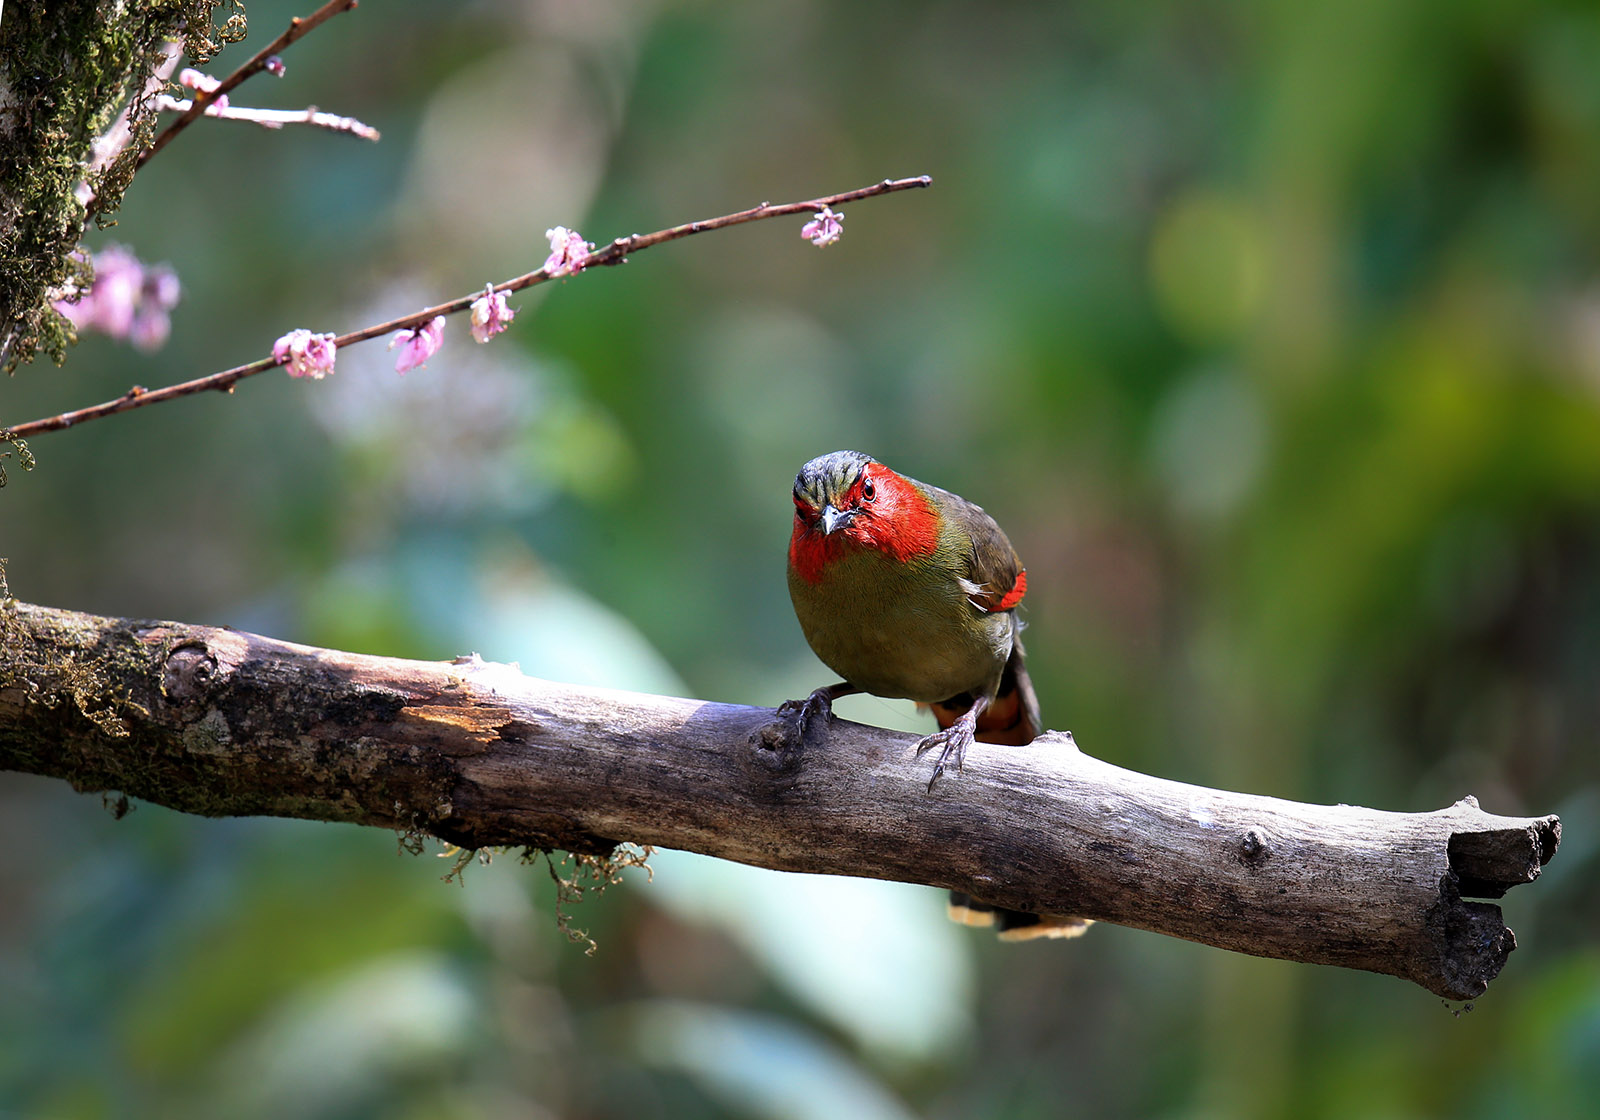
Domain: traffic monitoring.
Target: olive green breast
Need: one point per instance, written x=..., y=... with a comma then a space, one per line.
x=902, y=629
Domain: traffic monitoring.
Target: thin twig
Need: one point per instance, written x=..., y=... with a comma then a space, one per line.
x=274, y=118
x=614, y=253
x=298, y=26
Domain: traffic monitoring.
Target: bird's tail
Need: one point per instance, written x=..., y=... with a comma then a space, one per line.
x=1012, y=719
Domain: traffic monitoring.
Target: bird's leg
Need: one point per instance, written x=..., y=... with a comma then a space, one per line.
x=817, y=706
x=955, y=740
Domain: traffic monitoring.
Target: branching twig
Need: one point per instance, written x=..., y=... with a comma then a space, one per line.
x=274, y=118
x=297, y=27
x=614, y=253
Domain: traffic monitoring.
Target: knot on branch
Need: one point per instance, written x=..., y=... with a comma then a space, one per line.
x=776, y=748
x=188, y=674
x=1255, y=847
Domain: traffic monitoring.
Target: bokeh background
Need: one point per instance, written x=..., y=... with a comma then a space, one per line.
x=1270, y=332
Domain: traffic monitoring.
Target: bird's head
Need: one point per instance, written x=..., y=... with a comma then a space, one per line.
x=846, y=499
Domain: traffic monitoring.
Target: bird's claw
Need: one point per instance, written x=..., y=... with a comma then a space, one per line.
x=815, y=710
x=954, y=740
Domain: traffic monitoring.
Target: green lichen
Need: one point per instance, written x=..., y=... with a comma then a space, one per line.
x=588, y=873
x=24, y=456
x=56, y=669
x=66, y=71
x=463, y=859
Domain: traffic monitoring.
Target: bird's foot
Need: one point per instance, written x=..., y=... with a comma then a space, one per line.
x=809, y=718
x=952, y=744
x=953, y=741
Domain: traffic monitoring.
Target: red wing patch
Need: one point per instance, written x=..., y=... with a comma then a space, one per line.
x=1014, y=596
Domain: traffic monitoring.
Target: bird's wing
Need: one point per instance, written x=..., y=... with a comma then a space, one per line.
x=995, y=579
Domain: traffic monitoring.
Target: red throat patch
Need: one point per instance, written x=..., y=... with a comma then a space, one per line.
x=810, y=551
x=898, y=520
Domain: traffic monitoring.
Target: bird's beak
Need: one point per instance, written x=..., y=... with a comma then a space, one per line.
x=833, y=518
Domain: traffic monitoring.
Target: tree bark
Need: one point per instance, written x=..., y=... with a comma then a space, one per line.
x=219, y=722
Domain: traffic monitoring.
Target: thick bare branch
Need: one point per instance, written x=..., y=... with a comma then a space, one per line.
x=219, y=722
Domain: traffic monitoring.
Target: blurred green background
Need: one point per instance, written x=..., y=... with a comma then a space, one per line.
x=1270, y=332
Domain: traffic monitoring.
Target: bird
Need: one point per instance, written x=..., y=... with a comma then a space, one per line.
x=907, y=590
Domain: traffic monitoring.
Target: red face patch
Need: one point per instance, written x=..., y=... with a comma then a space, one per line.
x=886, y=512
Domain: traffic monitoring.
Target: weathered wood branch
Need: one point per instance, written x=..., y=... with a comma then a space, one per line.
x=219, y=722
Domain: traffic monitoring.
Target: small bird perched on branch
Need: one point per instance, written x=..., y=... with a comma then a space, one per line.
x=907, y=590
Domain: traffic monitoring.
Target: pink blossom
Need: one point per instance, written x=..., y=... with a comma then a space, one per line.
x=161, y=287
x=114, y=296
x=490, y=315
x=150, y=329
x=824, y=229
x=305, y=354
x=417, y=345
x=274, y=66
x=128, y=300
x=202, y=83
x=569, y=252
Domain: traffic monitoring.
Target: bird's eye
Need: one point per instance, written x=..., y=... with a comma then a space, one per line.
x=867, y=490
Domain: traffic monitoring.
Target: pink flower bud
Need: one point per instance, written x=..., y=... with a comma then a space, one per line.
x=569, y=252
x=190, y=78
x=193, y=79
x=490, y=315
x=824, y=229
x=417, y=345
x=305, y=354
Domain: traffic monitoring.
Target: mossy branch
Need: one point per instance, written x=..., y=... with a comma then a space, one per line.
x=218, y=722
x=66, y=69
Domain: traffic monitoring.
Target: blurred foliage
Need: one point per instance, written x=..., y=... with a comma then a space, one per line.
x=1270, y=332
